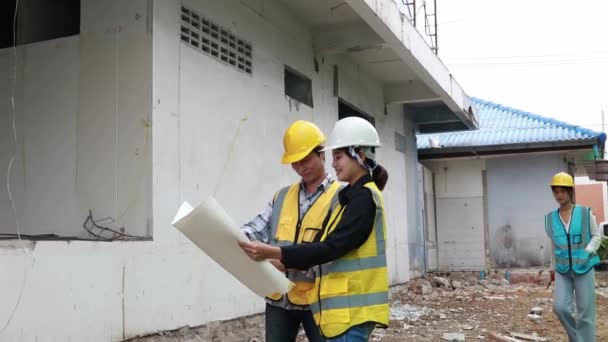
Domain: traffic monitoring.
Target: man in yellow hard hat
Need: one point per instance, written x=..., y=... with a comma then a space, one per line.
x=576, y=238
x=295, y=215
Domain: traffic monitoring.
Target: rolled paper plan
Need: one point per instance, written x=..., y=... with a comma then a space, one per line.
x=212, y=230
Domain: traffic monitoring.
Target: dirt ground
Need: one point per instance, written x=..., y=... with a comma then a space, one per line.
x=426, y=308
x=476, y=311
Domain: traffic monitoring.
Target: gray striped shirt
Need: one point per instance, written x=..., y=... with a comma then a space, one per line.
x=258, y=229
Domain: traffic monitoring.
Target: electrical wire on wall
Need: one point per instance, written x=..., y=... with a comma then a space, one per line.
x=142, y=170
x=93, y=227
x=97, y=231
x=110, y=228
x=13, y=86
x=243, y=119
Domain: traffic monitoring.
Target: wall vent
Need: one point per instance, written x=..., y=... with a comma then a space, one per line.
x=215, y=41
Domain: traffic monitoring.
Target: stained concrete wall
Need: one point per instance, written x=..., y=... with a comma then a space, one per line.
x=83, y=116
x=231, y=124
x=430, y=219
x=111, y=291
x=518, y=199
x=415, y=205
x=459, y=200
x=399, y=193
x=82, y=110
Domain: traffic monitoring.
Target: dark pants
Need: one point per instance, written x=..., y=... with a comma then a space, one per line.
x=283, y=325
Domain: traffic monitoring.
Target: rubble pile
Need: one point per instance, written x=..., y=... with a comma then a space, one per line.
x=463, y=307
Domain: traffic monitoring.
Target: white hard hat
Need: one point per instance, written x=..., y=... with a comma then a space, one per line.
x=352, y=131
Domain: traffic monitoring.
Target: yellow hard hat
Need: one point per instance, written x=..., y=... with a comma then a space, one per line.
x=562, y=179
x=301, y=138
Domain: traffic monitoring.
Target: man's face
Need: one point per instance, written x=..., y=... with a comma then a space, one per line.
x=311, y=167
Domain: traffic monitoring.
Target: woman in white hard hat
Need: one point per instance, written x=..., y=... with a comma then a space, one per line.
x=350, y=297
x=576, y=238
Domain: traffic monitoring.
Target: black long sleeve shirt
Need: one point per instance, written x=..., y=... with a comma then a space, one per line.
x=351, y=232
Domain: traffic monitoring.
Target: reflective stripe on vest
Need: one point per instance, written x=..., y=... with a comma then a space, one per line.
x=569, y=246
x=342, y=302
x=349, y=265
x=354, y=288
x=285, y=224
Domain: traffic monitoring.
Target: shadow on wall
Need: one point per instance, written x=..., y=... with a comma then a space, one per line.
x=511, y=251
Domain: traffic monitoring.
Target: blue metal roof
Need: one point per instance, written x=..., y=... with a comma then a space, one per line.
x=502, y=125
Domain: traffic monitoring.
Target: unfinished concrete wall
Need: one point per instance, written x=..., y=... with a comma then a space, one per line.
x=430, y=218
x=518, y=198
x=82, y=109
x=414, y=207
x=231, y=124
x=218, y=130
x=112, y=291
x=398, y=194
x=460, y=221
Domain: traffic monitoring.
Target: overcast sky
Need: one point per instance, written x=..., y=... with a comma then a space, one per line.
x=549, y=57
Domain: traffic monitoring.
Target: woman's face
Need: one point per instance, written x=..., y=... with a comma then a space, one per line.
x=561, y=194
x=347, y=168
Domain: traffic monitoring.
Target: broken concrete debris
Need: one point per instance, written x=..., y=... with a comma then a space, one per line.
x=441, y=282
x=440, y=305
x=533, y=337
x=502, y=338
x=426, y=310
x=411, y=313
x=517, y=337
x=494, y=297
x=453, y=337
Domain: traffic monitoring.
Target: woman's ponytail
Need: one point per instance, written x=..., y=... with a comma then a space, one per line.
x=379, y=173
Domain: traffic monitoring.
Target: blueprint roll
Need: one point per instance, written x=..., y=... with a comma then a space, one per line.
x=212, y=230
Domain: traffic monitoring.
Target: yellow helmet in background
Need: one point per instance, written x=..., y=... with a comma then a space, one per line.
x=562, y=179
x=301, y=138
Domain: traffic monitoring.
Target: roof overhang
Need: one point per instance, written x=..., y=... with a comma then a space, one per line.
x=381, y=40
x=597, y=170
x=507, y=149
x=435, y=117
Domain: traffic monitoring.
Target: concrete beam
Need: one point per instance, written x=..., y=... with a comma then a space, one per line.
x=509, y=149
x=438, y=127
x=385, y=17
x=432, y=115
x=342, y=38
x=408, y=92
x=422, y=100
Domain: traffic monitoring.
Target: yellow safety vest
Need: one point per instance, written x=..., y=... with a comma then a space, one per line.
x=354, y=288
x=286, y=229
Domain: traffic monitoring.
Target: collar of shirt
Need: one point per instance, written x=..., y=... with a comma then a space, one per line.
x=350, y=191
x=324, y=185
x=307, y=200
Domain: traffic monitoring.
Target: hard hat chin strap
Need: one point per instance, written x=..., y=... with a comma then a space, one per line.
x=369, y=164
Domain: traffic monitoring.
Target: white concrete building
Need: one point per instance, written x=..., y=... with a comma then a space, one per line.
x=487, y=190
x=124, y=109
